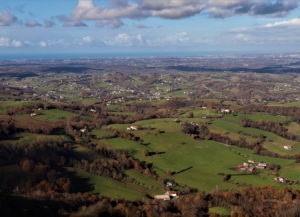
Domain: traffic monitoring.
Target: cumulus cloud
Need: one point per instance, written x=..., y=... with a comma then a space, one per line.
x=69, y=22
x=173, y=9
x=6, y=18
x=181, y=38
x=87, y=10
x=273, y=8
x=124, y=39
x=278, y=33
x=16, y=43
x=43, y=44
x=285, y=23
x=4, y=42
x=32, y=23
x=177, y=9
x=87, y=39
x=113, y=23
x=141, y=26
x=7, y=42
x=49, y=23
x=75, y=23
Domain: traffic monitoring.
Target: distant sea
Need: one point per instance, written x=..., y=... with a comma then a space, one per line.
x=52, y=56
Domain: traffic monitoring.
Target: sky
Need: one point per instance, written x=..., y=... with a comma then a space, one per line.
x=154, y=27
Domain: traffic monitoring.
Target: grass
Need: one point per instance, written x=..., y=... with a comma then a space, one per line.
x=206, y=158
x=201, y=113
x=27, y=138
x=222, y=211
x=101, y=133
x=83, y=152
x=111, y=188
x=273, y=142
x=155, y=187
x=294, y=128
x=5, y=104
x=257, y=117
x=54, y=115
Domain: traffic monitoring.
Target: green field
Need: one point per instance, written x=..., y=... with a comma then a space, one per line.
x=257, y=117
x=111, y=188
x=27, y=138
x=54, y=115
x=204, y=158
x=273, y=142
x=222, y=211
x=5, y=104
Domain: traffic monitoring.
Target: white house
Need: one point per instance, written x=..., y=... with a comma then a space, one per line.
x=288, y=147
x=225, y=110
x=132, y=127
x=162, y=197
x=169, y=184
x=93, y=110
x=251, y=161
x=261, y=166
x=83, y=130
x=171, y=193
x=33, y=114
x=279, y=179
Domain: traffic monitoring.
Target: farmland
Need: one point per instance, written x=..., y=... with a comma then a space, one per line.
x=135, y=136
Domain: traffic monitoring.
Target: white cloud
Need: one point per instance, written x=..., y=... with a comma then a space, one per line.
x=4, y=42
x=124, y=39
x=113, y=23
x=16, y=43
x=177, y=9
x=6, y=18
x=43, y=44
x=7, y=42
x=49, y=23
x=87, y=39
x=88, y=11
x=177, y=38
x=32, y=23
x=292, y=22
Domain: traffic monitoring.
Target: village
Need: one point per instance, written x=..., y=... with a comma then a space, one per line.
x=251, y=166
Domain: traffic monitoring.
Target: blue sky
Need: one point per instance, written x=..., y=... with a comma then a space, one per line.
x=149, y=26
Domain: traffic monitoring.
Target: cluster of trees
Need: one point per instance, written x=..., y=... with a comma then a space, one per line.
x=113, y=163
x=31, y=166
x=253, y=201
x=200, y=131
x=274, y=110
x=271, y=126
x=125, y=135
x=10, y=125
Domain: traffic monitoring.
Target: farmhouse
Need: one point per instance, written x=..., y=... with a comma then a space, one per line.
x=251, y=169
x=169, y=184
x=162, y=197
x=288, y=147
x=93, y=110
x=261, y=166
x=246, y=167
x=241, y=167
x=33, y=114
x=171, y=193
x=83, y=130
x=279, y=179
x=225, y=110
x=251, y=161
x=133, y=127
